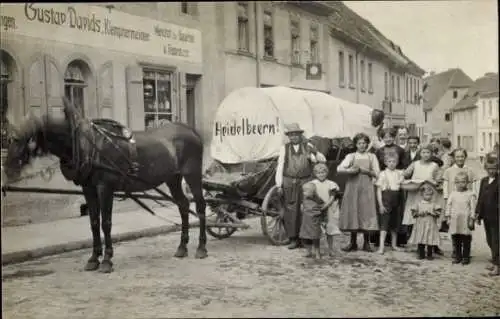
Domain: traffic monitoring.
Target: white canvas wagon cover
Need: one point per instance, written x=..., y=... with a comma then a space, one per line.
x=249, y=123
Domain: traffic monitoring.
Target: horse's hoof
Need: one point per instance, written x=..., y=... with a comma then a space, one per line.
x=181, y=253
x=106, y=267
x=91, y=265
x=201, y=253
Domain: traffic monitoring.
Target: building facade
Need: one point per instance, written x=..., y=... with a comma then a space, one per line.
x=442, y=91
x=475, y=117
x=141, y=64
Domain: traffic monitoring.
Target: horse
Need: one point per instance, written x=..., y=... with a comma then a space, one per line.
x=163, y=155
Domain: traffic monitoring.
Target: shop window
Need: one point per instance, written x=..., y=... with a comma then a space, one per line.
x=295, y=36
x=157, y=98
x=75, y=84
x=268, y=35
x=5, y=79
x=243, y=27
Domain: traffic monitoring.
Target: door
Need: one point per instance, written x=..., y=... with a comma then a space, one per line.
x=190, y=107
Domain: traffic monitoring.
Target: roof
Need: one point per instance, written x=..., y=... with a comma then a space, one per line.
x=484, y=87
x=249, y=122
x=348, y=23
x=436, y=85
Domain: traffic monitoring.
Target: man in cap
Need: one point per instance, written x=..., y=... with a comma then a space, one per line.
x=294, y=168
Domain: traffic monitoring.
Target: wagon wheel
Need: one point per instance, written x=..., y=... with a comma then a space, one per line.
x=222, y=216
x=271, y=221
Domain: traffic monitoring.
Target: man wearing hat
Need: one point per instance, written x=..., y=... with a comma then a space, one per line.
x=294, y=168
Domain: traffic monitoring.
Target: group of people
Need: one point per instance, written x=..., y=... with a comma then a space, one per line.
x=403, y=192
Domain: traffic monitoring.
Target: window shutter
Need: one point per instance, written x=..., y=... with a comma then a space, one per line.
x=36, y=89
x=135, y=98
x=54, y=88
x=182, y=98
x=175, y=84
x=105, y=91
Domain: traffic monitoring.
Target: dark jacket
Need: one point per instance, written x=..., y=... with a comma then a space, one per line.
x=380, y=153
x=487, y=203
x=407, y=158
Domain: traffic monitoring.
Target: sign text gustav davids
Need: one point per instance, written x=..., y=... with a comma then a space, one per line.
x=98, y=28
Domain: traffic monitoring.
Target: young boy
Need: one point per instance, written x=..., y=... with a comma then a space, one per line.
x=487, y=210
x=327, y=191
x=389, y=200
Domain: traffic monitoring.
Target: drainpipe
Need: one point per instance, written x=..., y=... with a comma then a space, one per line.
x=257, y=38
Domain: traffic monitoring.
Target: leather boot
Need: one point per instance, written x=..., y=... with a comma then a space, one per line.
x=293, y=243
x=353, y=246
x=458, y=249
x=366, y=243
x=466, y=250
x=437, y=250
x=430, y=250
x=420, y=251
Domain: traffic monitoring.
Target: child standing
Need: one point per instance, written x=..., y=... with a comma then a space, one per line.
x=460, y=209
x=312, y=216
x=358, y=211
x=425, y=232
x=327, y=191
x=488, y=210
x=422, y=170
x=449, y=174
x=389, y=199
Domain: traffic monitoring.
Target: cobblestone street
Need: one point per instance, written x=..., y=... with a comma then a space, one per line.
x=244, y=276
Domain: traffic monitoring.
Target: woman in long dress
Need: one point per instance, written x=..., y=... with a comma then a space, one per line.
x=358, y=210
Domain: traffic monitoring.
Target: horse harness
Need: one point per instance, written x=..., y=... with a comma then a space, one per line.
x=88, y=137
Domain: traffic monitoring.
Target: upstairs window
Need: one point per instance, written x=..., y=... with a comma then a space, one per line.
x=243, y=28
x=386, y=86
x=447, y=117
x=398, y=88
x=393, y=88
x=268, y=34
x=189, y=8
x=370, y=78
x=362, y=67
x=295, y=36
x=314, y=48
x=455, y=94
x=341, y=69
x=351, y=71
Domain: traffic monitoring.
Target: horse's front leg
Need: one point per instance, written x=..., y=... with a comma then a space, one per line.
x=106, y=205
x=92, y=202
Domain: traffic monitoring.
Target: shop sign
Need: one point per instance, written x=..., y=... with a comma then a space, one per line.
x=95, y=26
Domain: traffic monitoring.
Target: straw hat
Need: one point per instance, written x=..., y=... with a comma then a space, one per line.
x=293, y=128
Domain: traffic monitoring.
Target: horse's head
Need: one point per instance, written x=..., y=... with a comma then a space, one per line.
x=25, y=142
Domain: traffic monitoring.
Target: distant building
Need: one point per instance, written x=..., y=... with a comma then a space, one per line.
x=475, y=117
x=442, y=91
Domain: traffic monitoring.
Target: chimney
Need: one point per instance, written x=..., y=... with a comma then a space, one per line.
x=489, y=74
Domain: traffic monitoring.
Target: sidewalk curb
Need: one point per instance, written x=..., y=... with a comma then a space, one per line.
x=26, y=255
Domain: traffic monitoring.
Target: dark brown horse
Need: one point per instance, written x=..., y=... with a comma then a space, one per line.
x=163, y=155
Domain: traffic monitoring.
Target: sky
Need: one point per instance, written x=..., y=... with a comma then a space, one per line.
x=439, y=35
